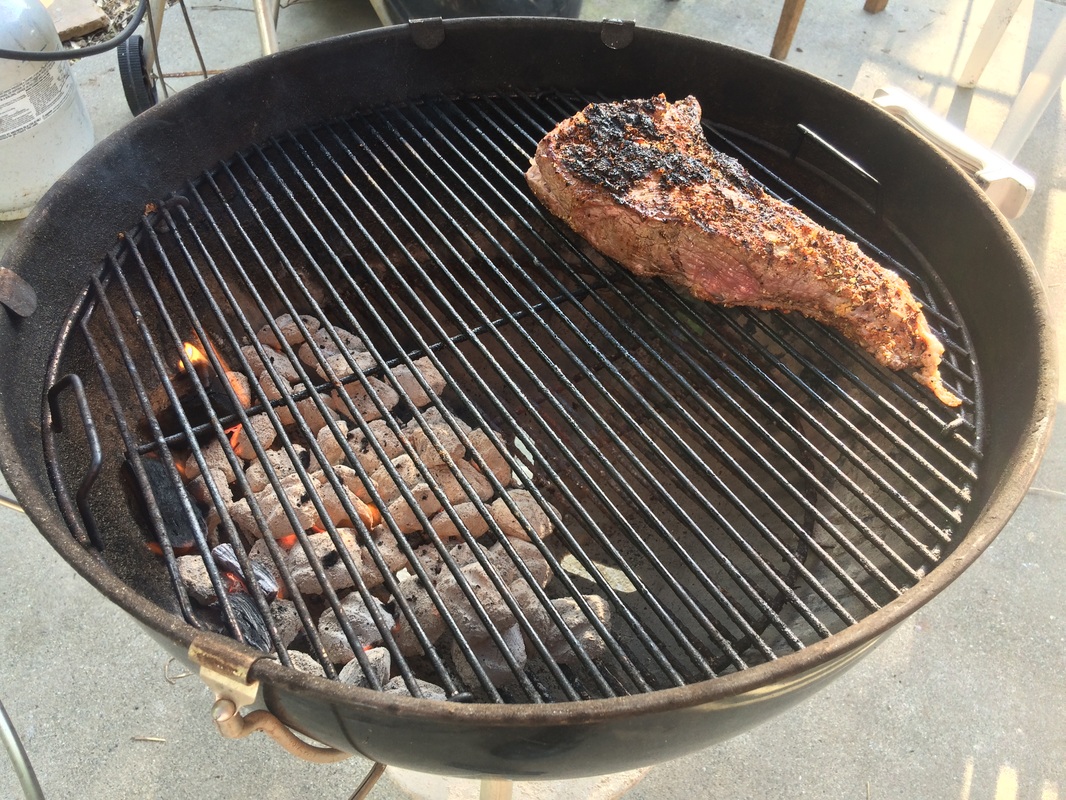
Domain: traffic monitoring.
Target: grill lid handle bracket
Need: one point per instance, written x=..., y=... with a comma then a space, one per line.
x=617, y=33
x=427, y=33
x=16, y=294
x=225, y=670
x=1007, y=186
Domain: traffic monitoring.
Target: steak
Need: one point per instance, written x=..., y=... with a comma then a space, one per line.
x=638, y=180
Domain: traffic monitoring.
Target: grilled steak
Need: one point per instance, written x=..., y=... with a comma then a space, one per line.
x=639, y=181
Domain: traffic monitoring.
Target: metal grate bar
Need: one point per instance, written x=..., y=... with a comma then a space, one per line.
x=578, y=430
x=366, y=539
x=912, y=481
x=727, y=138
x=818, y=588
x=460, y=578
x=956, y=352
x=797, y=331
x=235, y=464
x=889, y=519
x=535, y=211
x=161, y=369
x=398, y=310
x=494, y=633
x=488, y=326
x=760, y=430
x=155, y=516
x=930, y=470
x=272, y=476
x=941, y=427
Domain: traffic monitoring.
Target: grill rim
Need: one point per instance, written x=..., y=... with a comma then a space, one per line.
x=999, y=500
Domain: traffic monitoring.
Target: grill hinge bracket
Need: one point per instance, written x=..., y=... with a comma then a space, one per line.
x=225, y=670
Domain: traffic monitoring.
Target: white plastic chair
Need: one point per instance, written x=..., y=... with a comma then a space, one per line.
x=993, y=168
x=1037, y=90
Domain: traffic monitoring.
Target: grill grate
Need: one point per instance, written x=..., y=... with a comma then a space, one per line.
x=735, y=485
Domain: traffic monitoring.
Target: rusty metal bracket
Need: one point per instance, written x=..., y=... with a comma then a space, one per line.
x=225, y=670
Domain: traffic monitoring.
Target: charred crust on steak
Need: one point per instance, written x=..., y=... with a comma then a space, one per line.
x=622, y=145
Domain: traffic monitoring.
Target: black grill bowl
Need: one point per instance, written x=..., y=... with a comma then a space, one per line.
x=971, y=253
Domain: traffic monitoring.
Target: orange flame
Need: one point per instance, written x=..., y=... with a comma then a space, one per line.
x=202, y=366
x=196, y=356
x=234, y=583
x=287, y=542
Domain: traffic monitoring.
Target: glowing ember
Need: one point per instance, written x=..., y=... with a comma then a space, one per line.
x=234, y=434
x=375, y=515
x=234, y=583
x=296, y=492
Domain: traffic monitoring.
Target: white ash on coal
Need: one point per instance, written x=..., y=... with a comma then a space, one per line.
x=287, y=621
x=361, y=618
x=426, y=690
x=304, y=662
x=491, y=657
x=197, y=580
x=380, y=662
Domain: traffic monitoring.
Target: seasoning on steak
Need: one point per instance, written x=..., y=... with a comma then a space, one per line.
x=639, y=181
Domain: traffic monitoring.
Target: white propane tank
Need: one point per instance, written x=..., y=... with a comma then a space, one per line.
x=44, y=127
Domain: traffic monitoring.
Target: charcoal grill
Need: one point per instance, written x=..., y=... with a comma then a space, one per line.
x=756, y=501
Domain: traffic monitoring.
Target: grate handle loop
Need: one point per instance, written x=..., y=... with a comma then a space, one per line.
x=96, y=453
x=234, y=725
x=875, y=202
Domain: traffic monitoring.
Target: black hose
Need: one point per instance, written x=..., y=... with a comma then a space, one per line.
x=82, y=52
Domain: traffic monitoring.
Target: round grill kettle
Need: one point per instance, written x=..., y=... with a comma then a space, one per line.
x=1004, y=313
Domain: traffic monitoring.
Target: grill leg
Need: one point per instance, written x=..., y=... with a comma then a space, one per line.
x=786, y=28
x=496, y=789
x=266, y=20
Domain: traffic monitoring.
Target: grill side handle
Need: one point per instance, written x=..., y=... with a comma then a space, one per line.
x=226, y=669
x=96, y=454
x=1007, y=186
